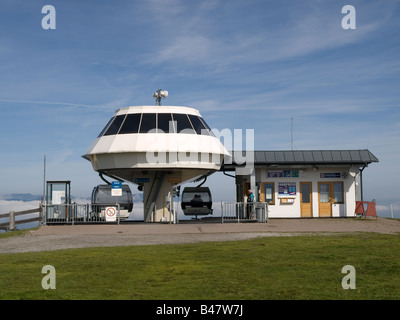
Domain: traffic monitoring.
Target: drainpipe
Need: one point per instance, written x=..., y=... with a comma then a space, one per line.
x=361, y=181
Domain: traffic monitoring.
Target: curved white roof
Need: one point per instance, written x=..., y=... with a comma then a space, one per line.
x=139, y=137
x=157, y=109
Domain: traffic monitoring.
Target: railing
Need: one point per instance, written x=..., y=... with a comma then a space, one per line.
x=113, y=213
x=242, y=212
x=82, y=213
x=11, y=225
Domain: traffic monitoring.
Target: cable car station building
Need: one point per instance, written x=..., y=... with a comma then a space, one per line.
x=160, y=147
x=297, y=184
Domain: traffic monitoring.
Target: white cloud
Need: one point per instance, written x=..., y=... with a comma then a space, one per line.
x=303, y=30
x=188, y=48
x=7, y=206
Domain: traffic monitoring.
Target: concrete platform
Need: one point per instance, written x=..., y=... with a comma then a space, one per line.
x=49, y=238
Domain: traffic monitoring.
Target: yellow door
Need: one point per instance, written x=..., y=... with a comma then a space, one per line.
x=325, y=199
x=306, y=199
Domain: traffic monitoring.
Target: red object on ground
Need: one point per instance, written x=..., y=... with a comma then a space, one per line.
x=360, y=210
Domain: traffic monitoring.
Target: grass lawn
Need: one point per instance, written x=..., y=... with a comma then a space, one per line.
x=301, y=267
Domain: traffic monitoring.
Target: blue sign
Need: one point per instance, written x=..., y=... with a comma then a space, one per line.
x=116, y=184
x=116, y=188
x=330, y=175
x=142, y=180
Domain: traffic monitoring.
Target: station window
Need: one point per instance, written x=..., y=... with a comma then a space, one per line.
x=131, y=123
x=338, y=192
x=148, y=122
x=183, y=123
x=198, y=125
x=164, y=123
x=115, y=125
x=106, y=127
x=207, y=127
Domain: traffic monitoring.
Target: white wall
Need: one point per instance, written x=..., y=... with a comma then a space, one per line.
x=309, y=175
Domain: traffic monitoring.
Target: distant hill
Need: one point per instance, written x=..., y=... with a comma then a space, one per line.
x=21, y=197
x=137, y=197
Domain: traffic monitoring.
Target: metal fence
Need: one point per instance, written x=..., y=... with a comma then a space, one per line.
x=113, y=213
x=242, y=212
x=12, y=222
x=82, y=213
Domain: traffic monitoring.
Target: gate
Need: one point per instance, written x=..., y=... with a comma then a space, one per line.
x=244, y=212
x=81, y=213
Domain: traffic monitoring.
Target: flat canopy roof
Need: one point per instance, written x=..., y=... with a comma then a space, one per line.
x=310, y=157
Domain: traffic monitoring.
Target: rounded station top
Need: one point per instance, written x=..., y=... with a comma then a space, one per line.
x=146, y=131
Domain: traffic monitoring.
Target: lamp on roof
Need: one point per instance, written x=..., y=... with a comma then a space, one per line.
x=158, y=95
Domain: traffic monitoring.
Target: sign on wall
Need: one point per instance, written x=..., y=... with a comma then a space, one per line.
x=283, y=174
x=330, y=175
x=287, y=188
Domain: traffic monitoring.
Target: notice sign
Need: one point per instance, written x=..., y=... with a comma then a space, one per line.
x=116, y=188
x=111, y=214
x=287, y=188
x=330, y=175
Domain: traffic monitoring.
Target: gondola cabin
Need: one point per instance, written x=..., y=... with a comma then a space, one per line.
x=196, y=201
x=102, y=198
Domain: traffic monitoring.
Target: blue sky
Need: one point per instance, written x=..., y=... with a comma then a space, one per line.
x=243, y=64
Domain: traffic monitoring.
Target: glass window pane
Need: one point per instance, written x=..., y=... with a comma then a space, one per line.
x=164, y=123
x=269, y=192
x=131, y=123
x=148, y=122
x=114, y=127
x=338, y=191
x=182, y=123
x=105, y=128
x=207, y=127
x=187, y=197
x=305, y=193
x=198, y=125
x=324, y=192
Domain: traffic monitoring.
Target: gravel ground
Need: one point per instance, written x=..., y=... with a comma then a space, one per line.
x=48, y=238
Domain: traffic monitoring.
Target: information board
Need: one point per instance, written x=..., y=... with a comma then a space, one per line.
x=287, y=188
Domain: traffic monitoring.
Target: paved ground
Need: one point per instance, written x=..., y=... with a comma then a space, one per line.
x=49, y=238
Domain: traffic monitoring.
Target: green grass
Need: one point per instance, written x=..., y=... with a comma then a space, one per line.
x=304, y=267
x=16, y=233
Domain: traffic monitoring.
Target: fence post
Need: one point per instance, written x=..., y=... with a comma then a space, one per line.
x=118, y=212
x=44, y=214
x=12, y=221
x=41, y=214
x=222, y=213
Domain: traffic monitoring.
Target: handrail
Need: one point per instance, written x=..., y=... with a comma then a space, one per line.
x=12, y=223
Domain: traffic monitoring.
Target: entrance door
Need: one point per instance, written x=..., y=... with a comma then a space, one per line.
x=306, y=199
x=325, y=200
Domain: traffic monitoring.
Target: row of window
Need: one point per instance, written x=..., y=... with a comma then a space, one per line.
x=328, y=192
x=156, y=123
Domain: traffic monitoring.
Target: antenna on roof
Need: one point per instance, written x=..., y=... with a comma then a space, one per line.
x=158, y=95
x=291, y=133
